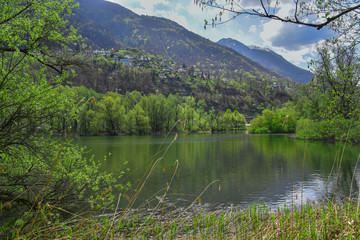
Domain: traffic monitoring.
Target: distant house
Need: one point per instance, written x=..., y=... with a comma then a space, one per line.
x=116, y=57
x=182, y=70
x=101, y=52
x=162, y=76
x=276, y=86
x=126, y=62
x=129, y=57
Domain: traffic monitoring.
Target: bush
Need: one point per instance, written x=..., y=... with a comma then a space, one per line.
x=278, y=121
x=337, y=129
x=231, y=121
x=58, y=176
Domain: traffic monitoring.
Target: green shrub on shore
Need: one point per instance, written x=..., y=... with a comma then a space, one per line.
x=331, y=130
x=274, y=121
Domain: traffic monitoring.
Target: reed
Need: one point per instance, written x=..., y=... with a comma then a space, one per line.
x=320, y=221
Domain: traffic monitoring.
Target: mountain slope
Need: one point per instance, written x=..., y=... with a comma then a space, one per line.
x=270, y=60
x=107, y=25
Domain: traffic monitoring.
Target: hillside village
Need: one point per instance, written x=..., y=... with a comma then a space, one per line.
x=140, y=59
x=164, y=68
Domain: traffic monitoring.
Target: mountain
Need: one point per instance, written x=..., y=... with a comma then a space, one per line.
x=270, y=60
x=108, y=25
x=127, y=52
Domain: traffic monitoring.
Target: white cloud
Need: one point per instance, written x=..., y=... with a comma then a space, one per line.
x=294, y=42
x=152, y=3
x=141, y=7
x=174, y=16
x=300, y=57
x=253, y=29
x=297, y=53
x=271, y=29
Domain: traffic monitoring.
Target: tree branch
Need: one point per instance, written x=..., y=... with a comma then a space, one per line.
x=16, y=14
x=266, y=14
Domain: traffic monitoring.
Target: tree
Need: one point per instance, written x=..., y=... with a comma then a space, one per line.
x=155, y=108
x=189, y=113
x=173, y=106
x=274, y=121
x=28, y=97
x=227, y=120
x=86, y=122
x=238, y=120
x=35, y=169
x=112, y=112
x=137, y=121
x=336, y=83
x=131, y=99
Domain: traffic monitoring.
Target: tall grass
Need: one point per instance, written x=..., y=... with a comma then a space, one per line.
x=325, y=221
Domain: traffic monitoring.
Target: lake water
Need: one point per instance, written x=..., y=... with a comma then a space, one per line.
x=274, y=169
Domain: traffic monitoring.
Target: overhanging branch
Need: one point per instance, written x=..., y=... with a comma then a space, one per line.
x=266, y=14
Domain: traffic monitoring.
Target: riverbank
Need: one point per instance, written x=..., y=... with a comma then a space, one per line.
x=318, y=221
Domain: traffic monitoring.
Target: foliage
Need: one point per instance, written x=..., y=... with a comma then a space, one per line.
x=231, y=121
x=339, y=129
x=28, y=96
x=61, y=177
x=137, y=121
x=281, y=120
x=37, y=170
x=111, y=111
x=337, y=77
x=155, y=109
x=331, y=106
x=133, y=113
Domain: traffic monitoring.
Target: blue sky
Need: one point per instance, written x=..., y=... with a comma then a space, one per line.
x=294, y=42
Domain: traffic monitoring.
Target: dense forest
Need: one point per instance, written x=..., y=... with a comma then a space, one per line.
x=133, y=113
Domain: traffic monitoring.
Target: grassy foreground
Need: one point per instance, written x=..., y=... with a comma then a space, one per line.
x=319, y=221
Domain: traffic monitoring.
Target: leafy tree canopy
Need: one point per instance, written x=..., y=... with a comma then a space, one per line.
x=37, y=170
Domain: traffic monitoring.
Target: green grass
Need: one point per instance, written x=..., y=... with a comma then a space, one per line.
x=319, y=221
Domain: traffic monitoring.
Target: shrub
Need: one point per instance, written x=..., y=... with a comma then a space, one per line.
x=278, y=121
x=337, y=129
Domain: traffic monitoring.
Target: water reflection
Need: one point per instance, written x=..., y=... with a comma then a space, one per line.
x=272, y=168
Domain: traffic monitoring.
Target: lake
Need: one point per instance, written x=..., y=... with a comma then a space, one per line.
x=274, y=169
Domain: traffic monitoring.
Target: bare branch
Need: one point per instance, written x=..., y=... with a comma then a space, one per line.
x=266, y=14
